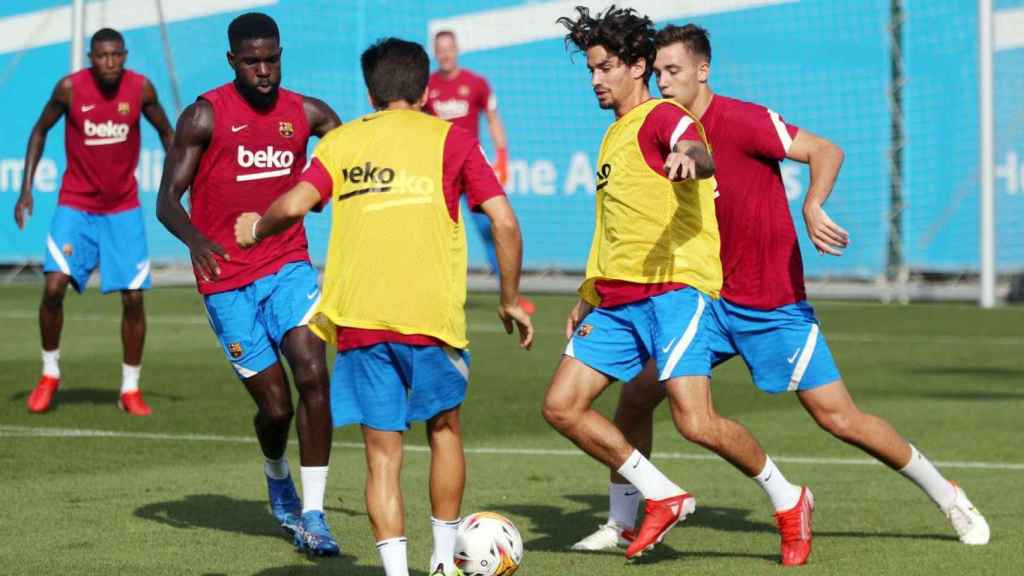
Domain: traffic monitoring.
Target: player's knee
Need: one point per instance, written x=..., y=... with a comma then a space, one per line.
x=842, y=424
x=131, y=302
x=310, y=373
x=696, y=428
x=276, y=415
x=53, y=295
x=560, y=416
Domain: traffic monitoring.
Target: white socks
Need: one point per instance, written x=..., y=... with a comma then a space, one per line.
x=649, y=480
x=783, y=495
x=51, y=363
x=129, y=378
x=922, y=472
x=276, y=469
x=623, y=500
x=392, y=554
x=314, y=482
x=444, y=543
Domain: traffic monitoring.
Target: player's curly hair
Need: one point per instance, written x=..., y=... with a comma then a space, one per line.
x=621, y=31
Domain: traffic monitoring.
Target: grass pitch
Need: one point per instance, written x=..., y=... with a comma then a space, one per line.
x=92, y=491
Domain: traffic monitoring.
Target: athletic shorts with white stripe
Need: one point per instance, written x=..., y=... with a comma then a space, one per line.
x=79, y=242
x=388, y=386
x=669, y=327
x=251, y=321
x=783, y=348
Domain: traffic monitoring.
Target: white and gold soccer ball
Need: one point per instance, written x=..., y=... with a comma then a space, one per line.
x=488, y=544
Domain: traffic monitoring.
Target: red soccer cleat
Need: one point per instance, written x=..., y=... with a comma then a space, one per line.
x=795, y=526
x=132, y=403
x=659, y=517
x=527, y=305
x=42, y=395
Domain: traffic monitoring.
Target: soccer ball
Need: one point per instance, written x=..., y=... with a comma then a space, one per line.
x=488, y=544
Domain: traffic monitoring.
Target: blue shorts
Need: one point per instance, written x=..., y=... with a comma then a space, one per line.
x=783, y=348
x=79, y=242
x=668, y=327
x=251, y=321
x=388, y=386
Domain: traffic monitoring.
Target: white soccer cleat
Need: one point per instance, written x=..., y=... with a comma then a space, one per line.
x=969, y=524
x=608, y=536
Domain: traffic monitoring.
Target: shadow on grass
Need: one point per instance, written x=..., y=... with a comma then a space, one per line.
x=343, y=564
x=220, y=512
x=97, y=396
x=557, y=529
x=990, y=372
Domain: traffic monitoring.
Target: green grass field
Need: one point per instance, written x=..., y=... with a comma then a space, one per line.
x=88, y=490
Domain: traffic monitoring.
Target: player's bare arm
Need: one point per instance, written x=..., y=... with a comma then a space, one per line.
x=508, y=242
x=321, y=118
x=689, y=160
x=284, y=213
x=58, y=104
x=825, y=159
x=155, y=114
x=195, y=128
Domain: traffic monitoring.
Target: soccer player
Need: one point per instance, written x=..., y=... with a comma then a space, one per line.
x=395, y=284
x=652, y=270
x=459, y=96
x=239, y=147
x=763, y=314
x=98, y=221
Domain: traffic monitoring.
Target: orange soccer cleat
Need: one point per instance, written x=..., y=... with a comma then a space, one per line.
x=42, y=395
x=659, y=517
x=795, y=526
x=132, y=403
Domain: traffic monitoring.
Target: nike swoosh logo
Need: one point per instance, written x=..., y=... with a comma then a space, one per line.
x=669, y=347
x=87, y=108
x=792, y=358
x=312, y=294
x=633, y=493
x=239, y=128
x=770, y=474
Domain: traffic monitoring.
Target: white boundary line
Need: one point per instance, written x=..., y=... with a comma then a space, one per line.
x=45, y=432
x=181, y=320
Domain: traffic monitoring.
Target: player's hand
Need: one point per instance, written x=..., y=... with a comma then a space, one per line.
x=513, y=316
x=245, y=228
x=827, y=236
x=501, y=166
x=680, y=166
x=579, y=312
x=23, y=210
x=204, y=254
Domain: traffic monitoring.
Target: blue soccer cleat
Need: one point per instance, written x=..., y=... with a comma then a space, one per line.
x=285, y=503
x=314, y=536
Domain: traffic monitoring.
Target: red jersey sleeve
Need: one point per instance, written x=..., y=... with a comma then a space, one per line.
x=318, y=176
x=485, y=99
x=763, y=132
x=665, y=125
x=466, y=171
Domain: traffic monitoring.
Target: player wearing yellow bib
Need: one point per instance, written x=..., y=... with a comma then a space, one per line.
x=653, y=265
x=395, y=284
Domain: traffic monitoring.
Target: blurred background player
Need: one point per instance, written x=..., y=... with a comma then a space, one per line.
x=238, y=147
x=763, y=314
x=98, y=221
x=653, y=267
x=395, y=285
x=460, y=96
